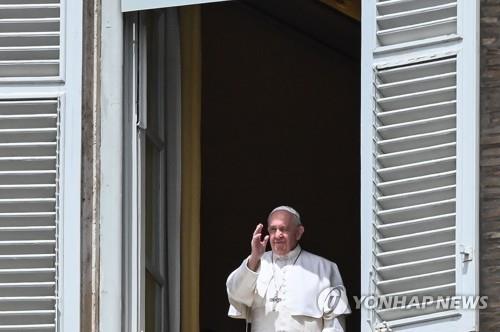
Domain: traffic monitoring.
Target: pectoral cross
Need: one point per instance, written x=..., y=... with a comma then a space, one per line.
x=275, y=300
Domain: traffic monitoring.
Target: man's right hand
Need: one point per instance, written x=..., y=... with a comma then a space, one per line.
x=258, y=248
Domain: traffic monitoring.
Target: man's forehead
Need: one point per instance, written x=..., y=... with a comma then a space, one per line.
x=278, y=216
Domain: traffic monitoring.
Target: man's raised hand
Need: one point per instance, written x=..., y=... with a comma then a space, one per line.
x=258, y=248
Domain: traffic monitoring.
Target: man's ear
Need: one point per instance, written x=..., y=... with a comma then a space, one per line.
x=300, y=231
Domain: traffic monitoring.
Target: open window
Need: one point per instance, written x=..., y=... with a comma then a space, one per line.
x=277, y=92
x=152, y=265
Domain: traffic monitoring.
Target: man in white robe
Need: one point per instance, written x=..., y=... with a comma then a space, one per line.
x=287, y=288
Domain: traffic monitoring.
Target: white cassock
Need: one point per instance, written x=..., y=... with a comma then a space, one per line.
x=283, y=295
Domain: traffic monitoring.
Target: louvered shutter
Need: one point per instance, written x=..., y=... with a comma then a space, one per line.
x=28, y=214
x=415, y=196
x=30, y=40
x=419, y=163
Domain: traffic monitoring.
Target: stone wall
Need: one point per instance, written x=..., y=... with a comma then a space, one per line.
x=490, y=164
x=89, y=320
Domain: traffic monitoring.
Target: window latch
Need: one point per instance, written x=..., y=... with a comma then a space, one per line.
x=466, y=253
x=383, y=327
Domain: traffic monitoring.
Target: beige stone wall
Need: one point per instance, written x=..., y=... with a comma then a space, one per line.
x=490, y=164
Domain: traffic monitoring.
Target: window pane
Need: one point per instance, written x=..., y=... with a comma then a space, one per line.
x=155, y=44
x=152, y=202
x=153, y=304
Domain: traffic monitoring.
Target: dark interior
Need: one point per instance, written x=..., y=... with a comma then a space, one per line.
x=280, y=125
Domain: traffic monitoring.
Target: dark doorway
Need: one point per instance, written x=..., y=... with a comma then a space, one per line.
x=280, y=125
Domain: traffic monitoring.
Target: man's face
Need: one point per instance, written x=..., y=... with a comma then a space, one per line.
x=284, y=233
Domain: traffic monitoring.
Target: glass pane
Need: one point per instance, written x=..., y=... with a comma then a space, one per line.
x=155, y=84
x=152, y=202
x=153, y=304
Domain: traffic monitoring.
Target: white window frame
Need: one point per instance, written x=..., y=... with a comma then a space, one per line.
x=466, y=46
x=133, y=5
x=135, y=124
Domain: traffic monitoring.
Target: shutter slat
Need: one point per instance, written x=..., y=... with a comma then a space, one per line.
x=33, y=327
x=417, y=113
x=27, y=130
x=407, y=283
x=27, y=233
x=446, y=26
x=27, y=149
x=29, y=20
x=417, y=239
x=32, y=68
x=27, y=271
x=26, y=312
x=26, y=242
x=416, y=197
x=417, y=183
x=417, y=84
x=27, y=163
x=27, y=275
x=393, y=6
x=29, y=6
x=29, y=52
x=27, y=302
x=28, y=121
x=417, y=98
x=27, y=191
x=418, y=127
x=414, y=155
x=12, y=2
x=408, y=316
x=416, y=253
x=28, y=248
x=27, y=177
x=415, y=70
x=416, y=225
x=28, y=116
x=417, y=211
x=20, y=145
x=29, y=34
x=23, y=318
x=27, y=261
x=417, y=169
x=429, y=265
x=416, y=16
x=417, y=141
x=28, y=135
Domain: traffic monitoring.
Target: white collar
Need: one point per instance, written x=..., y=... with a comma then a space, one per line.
x=291, y=255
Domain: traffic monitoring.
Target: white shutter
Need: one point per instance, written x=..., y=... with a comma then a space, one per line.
x=30, y=40
x=415, y=187
x=419, y=162
x=28, y=214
